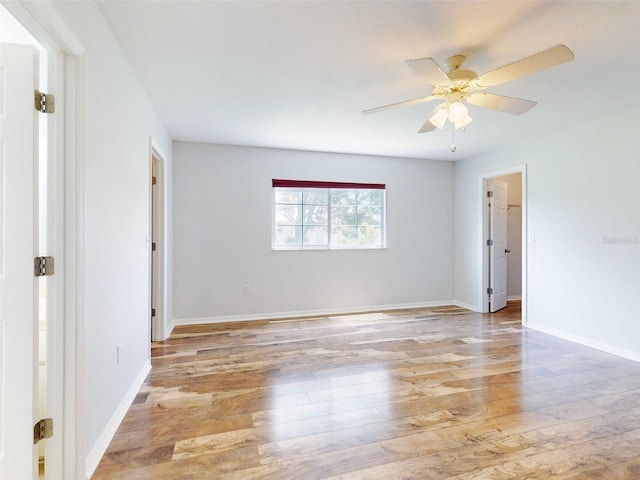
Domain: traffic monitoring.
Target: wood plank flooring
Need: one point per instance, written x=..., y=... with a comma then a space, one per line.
x=416, y=394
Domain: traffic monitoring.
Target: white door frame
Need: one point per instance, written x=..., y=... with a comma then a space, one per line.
x=68, y=140
x=158, y=282
x=485, y=235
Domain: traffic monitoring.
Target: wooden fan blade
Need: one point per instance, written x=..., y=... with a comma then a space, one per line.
x=429, y=69
x=427, y=127
x=415, y=101
x=540, y=61
x=515, y=106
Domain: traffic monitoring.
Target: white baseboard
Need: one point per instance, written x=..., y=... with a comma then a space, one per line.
x=169, y=329
x=605, y=347
x=468, y=306
x=514, y=297
x=306, y=313
x=98, y=449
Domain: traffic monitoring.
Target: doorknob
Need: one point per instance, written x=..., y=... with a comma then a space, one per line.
x=506, y=250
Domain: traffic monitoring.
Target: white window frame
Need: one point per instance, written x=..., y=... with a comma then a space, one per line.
x=329, y=186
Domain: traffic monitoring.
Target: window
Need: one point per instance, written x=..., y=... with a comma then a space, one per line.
x=309, y=214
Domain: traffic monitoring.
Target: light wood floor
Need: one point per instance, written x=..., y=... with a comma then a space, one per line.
x=421, y=394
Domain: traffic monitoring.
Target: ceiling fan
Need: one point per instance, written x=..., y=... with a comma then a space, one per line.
x=457, y=87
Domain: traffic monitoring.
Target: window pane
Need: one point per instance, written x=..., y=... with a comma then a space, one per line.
x=369, y=215
x=315, y=235
x=369, y=236
x=369, y=197
x=315, y=215
x=343, y=236
x=343, y=215
x=305, y=216
x=315, y=196
x=288, y=214
x=289, y=235
x=341, y=196
x=288, y=195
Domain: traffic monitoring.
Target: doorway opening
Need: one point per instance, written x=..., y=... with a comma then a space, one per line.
x=504, y=257
x=156, y=262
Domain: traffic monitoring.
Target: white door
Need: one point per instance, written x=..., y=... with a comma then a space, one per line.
x=18, y=293
x=497, y=245
x=154, y=246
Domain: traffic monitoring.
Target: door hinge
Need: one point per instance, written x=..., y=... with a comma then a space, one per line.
x=153, y=246
x=490, y=194
x=44, y=102
x=43, y=266
x=490, y=291
x=154, y=180
x=43, y=429
x=153, y=312
x=490, y=243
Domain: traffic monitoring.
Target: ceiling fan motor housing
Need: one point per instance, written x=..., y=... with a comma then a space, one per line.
x=454, y=62
x=462, y=75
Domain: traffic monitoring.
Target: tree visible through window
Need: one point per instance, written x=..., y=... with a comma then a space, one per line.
x=311, y=214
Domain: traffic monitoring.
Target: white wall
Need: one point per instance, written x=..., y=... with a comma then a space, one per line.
x=119, y=123
x=583, y=206
x=222, y=236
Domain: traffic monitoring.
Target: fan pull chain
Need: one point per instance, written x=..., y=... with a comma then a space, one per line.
x=453, y=144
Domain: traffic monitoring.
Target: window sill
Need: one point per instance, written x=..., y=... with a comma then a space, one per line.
x=321, y=248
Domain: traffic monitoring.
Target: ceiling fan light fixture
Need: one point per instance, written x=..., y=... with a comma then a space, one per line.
x=439, y=116
x=463, y=123
x=457, y=112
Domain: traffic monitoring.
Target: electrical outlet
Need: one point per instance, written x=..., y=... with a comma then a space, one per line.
x=245, y=289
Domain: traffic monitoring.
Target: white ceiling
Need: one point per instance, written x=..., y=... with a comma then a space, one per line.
x=296, y=75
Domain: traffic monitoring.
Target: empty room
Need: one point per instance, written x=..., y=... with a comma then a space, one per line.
x=320, y=240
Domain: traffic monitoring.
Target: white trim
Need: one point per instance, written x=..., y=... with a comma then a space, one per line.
x=468, y=306
x=54, y=448
x=159, y=329
x=307, y=313
x=75, y=231
x=45, y=24
x=605, y=347
x=101, y=445
x=484, y=236
x=514, y=297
